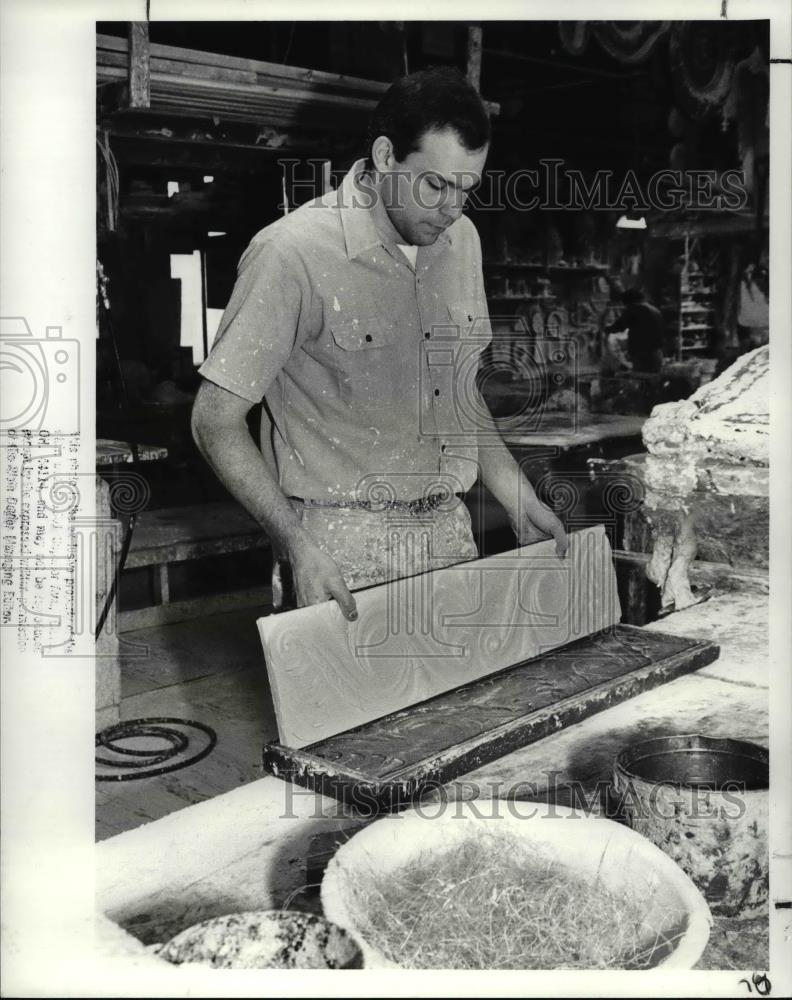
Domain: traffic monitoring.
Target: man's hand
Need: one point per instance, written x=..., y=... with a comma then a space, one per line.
x=221, y=433
x=538, y=521
x=318, y=578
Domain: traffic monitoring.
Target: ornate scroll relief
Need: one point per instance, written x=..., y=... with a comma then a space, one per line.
x=418, y=637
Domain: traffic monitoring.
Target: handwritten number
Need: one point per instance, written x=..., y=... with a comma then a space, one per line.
x=761, y=982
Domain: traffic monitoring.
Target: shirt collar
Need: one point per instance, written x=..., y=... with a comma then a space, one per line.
x=359, y=222
x=360, y=233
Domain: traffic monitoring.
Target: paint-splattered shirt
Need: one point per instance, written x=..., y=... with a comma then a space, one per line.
x=367, y=367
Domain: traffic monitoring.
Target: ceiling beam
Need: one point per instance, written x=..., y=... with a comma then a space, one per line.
x=139, y=67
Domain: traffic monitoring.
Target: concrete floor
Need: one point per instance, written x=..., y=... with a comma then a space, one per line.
x=211, y=671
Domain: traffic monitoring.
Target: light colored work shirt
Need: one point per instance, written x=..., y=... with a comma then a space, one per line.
x=367, y=367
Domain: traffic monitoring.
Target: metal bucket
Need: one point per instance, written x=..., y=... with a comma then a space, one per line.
x=704, y=801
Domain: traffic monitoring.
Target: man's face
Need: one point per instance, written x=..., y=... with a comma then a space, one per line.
x=426, y=192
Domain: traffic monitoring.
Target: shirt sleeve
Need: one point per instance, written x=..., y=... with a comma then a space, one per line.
x=261, y=323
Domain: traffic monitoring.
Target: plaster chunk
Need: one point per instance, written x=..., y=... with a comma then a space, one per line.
x=715, y=442
x=668, y=428
x=675, y=478
x=725, y=419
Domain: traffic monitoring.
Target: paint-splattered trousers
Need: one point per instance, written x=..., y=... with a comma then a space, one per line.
x=375, y=546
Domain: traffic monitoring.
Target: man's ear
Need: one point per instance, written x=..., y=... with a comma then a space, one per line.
x=382, y=154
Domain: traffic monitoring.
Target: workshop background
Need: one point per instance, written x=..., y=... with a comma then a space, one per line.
x=207, y=132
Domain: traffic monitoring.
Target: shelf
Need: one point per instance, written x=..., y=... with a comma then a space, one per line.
x=697, y=291
x=188, y=82
x=521, y=298
x=513, y=265
x=728, y=224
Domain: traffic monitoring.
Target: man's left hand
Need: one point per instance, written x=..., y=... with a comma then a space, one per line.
x=538, y=521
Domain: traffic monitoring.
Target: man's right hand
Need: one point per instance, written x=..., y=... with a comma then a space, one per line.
x=221, y=433
x=317, y=578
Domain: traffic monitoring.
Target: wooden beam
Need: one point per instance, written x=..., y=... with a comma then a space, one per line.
x=474, y=56
x=194, y=608
x=155, y=125
x=702, y=569
x=160, y=140
x=187, y=81
x=178, y=534
x=303, y=76
x=139, y=65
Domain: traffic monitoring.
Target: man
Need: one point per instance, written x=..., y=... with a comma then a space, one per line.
x=646, y=331
x=359, y=319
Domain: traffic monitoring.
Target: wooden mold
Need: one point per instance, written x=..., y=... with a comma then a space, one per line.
x=386, y=764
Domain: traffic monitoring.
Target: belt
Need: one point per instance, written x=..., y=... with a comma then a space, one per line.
x=434, y=501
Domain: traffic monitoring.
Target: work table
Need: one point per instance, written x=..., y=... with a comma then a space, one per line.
x=564, y=431
x=247, y=849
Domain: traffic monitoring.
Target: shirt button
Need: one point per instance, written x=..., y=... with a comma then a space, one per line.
x=437, y=392
x=442, y=447
x=427, y=335
x=368, y=338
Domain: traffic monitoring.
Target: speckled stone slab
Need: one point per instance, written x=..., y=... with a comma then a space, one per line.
x=265, y=939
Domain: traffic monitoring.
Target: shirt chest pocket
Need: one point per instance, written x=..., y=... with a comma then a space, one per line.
x=366, y=358
x=352, y=336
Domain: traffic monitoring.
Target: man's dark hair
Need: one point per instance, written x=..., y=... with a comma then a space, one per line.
x=429, y=100
x=633, y=296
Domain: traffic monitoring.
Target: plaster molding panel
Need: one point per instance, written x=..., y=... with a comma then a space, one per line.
x=424, y=635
